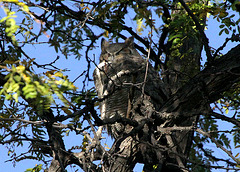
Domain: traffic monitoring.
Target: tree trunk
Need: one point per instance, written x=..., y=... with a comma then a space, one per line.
x=183, y=63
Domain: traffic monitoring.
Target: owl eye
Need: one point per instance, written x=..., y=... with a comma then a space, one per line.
x=117, y=53
x=127, y=51
x=110, y=56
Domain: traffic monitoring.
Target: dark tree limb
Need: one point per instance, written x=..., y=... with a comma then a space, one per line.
x=225, y=118
x=207, y=86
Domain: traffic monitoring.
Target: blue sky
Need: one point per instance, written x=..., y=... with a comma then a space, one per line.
x=43, y=54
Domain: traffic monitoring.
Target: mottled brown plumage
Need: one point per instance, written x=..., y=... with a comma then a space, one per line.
x=120, y=82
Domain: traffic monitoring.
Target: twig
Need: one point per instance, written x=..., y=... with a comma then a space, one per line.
x=145, y=77
x=221, y=48
x=233, y=38
x=218, y=145
x=22, y=120
x=87, y=17
x=225, y=118
x=213, y=157
x=174, y=128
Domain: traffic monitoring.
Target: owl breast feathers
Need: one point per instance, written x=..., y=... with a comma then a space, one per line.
x=121, y=83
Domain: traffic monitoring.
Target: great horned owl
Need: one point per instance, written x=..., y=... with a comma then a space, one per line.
x=121, y=79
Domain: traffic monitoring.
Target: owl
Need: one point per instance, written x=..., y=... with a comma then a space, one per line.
x=121, y=80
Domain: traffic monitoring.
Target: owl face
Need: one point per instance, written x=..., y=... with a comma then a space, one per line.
x=111, y=52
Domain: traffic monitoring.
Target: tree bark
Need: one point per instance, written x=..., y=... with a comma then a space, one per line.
x=143, y=143
x=183, y=63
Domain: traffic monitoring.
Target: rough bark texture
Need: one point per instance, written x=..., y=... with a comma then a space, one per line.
x=149, y=143
x=183, y=64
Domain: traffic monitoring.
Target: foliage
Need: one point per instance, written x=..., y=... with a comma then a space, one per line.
x=35, y=169
x=37, y=95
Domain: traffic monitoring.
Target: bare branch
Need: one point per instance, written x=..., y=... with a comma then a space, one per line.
x=218, y=145
x=23, y=120
x=225, y=118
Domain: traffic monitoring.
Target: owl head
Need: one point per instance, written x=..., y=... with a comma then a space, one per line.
x=113, y=51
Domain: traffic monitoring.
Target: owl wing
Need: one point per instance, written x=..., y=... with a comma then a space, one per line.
x=120, y=84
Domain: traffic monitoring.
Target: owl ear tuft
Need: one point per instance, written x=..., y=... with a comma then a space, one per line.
x=130, y=41
x=104, y=45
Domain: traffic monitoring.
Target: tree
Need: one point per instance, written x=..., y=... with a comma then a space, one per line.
x=40, y=109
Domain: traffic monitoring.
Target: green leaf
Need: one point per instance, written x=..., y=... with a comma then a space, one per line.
x=221, y=26
x=220, y=33
x=226, y=31
x=15, y=96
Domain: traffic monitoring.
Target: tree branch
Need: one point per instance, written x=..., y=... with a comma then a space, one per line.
x=218, y=145
x=207, y=86
x=225, y=118
x=213, y=157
